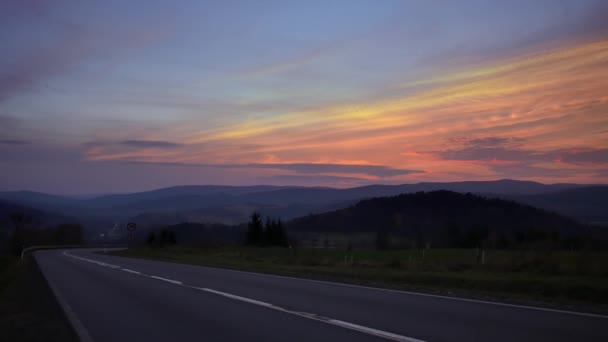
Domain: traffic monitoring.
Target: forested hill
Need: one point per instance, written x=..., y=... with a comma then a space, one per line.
x=444, y=217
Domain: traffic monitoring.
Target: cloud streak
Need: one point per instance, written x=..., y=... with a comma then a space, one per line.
x=150, y=144
x=378, y=171
x=315, y=180
x=13, y=142
x=312, y=168
x=66, y=44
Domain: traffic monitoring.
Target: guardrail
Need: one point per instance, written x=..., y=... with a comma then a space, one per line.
x=35, y=248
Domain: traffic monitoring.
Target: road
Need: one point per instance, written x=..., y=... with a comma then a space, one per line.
x=121, y=299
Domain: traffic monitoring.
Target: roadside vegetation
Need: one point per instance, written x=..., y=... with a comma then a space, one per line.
x=563, y=278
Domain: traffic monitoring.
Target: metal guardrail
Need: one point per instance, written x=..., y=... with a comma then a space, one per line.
x=36, y=248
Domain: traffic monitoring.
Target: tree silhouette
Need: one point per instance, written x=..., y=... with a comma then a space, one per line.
x=19, y=221
x=382, y=238
x=272, y=233
x=269, y=232
x=151, y=239
x=167, y=237
x=254, y=230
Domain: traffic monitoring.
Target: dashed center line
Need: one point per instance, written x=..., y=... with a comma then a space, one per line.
x=346, y=325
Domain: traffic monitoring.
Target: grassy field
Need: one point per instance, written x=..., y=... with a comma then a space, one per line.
x=574, y=279
x=28, y=310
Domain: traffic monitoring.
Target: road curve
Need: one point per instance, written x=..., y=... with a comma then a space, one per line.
x=121, y=299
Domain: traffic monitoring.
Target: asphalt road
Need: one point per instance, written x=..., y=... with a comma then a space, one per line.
x=120, y=299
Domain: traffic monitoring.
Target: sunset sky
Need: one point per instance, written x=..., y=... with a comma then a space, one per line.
x=127, y=96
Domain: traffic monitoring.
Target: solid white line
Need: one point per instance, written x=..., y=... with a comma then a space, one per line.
x=81, y=331
x=342, y=324
x=89, y=260
x=517, y=306
x=167, y=280
x=243, y=299
x=131, y=271
x=362, y=329
x=372, y=331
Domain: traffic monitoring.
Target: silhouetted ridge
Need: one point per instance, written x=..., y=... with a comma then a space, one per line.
x=442, y=217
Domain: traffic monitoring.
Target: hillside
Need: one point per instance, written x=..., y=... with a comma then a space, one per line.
x=443, y=217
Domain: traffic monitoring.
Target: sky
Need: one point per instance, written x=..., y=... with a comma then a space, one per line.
x=121, y=96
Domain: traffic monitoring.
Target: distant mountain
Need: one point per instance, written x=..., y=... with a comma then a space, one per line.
x=443, y=218
x=36, y=218
x=41, y=200
x=329, y=195
x=180, y=193
x=587, y=204
x=233, y=204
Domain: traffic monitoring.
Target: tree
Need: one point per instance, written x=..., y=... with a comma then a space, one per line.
x=281, y=235
x=254, y=230
x=151, y=239
x=382, y=238
x=269, y=232
x=167, y=237
x=19, y=221
x=273, y=233
x=67, y=234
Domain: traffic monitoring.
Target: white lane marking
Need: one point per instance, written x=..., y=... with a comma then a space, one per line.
x=131, y=271
x=346, y=325
x=243, y=299
x=372, y=331
x=167, y=280
x=90, y=260
x=81, y=331
x=342, y=324
x=479, y=301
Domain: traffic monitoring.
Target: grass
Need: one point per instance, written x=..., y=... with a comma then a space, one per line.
x=564, y=279
x=28, y=309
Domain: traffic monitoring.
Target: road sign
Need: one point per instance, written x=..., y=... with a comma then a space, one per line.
x=131, y=226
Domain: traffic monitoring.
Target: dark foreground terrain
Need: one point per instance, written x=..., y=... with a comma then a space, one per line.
x=28, y=309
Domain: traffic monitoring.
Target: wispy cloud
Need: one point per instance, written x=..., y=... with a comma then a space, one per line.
x=514, y=150
x=131, y=150
x=379, y=171
x=312, y=168
x=13, y=142
x=61, y=48
x=584, y=156
x=315, y=180
x=150, y=144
